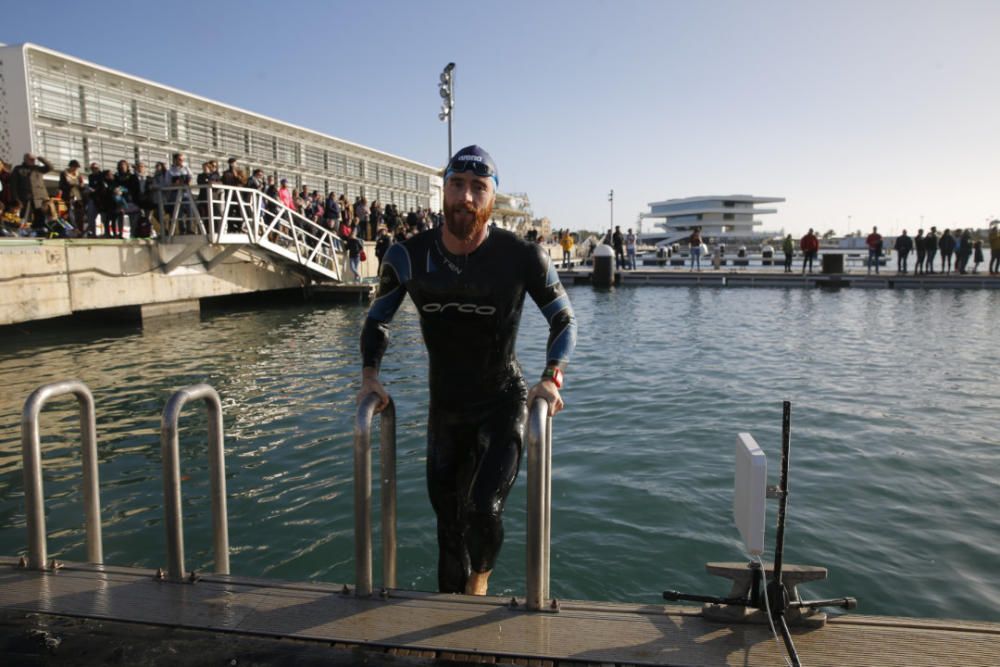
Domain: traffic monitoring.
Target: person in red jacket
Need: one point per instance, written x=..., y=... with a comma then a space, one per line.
x=809, y=245
x=874, y=242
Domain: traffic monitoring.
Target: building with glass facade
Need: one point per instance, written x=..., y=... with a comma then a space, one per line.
x=64, y=108
x=728, y=217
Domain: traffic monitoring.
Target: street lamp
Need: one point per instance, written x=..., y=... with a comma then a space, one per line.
x=446, y=88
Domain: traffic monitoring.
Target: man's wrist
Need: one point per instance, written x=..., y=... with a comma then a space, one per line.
x=554, y=375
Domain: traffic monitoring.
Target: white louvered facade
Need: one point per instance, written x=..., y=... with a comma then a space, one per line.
x=64, y=108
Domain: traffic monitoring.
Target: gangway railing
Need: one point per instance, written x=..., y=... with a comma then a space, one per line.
x=227, y=214
x=31, y=452
x=539, y=536
x=170, y=453
x=539, y=500
x=363, y=494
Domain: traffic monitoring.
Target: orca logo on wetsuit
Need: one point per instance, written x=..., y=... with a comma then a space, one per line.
x=460, y=307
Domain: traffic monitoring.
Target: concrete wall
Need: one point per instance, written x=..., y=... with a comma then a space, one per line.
x=33, y=281
x=43, y=279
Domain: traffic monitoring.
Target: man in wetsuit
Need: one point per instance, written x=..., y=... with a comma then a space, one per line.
x=468, y=281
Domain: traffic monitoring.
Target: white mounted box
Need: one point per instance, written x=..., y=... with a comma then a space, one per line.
x=750, y=493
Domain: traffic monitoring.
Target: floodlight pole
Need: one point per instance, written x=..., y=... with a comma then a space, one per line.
x=446, y=88
x=611, y=199
x=451, y=107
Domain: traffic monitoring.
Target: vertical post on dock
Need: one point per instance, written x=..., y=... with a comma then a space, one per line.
x=786, y=439
x=539, y=503
x=31, y=452
x=170, y=453
x=363, y=495
x=777, y=595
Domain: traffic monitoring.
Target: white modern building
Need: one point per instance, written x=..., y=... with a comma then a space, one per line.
x=729, y=218
x=64, y=108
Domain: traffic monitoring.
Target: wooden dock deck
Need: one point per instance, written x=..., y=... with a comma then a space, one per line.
x=240, y=612
x=728, y=277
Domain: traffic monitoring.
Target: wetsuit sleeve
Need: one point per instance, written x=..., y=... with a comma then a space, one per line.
x=548, y=293
x=391, y=290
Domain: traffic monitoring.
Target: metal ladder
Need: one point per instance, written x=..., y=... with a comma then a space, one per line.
x=539, y=488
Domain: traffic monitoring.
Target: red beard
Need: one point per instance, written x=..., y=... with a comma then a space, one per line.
x=461, y=225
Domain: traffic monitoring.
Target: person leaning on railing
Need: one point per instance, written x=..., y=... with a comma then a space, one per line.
x=237, y=178
x=179, y=176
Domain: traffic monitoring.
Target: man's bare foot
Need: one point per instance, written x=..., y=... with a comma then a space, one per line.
x=477, y=583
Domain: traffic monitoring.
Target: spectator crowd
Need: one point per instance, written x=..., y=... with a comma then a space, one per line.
x=106, y=203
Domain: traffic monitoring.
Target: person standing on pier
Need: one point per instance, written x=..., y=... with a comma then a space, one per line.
x=694, y=243
x=946, y=245
x=566, y=242
x=903, y=246
x=918, y=243
x=874, y=243
x=788, y=247
x=630, y=248
x=964, y=251
x=382, y=244
x=809, y=245
x=995, y=247
x=618, y=243
x=931, y=246
x=468, y=282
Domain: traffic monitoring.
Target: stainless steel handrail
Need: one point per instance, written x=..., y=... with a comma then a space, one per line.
x=170, y=452
x=363, y=495
x=31, y=452
x=539, y=503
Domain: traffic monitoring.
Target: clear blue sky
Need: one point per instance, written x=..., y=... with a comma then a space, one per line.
x=881, y=111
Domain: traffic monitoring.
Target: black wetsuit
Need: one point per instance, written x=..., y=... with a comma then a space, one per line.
x=470, y=309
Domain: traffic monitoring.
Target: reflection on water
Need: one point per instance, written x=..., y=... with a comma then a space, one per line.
x=894, y=447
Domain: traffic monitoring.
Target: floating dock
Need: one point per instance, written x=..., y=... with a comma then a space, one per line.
x=136, y=616
x=678, y=277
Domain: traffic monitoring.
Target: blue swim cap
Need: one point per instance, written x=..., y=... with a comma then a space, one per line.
x=474, y=159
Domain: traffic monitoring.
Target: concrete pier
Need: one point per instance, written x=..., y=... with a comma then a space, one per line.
x=45, y=279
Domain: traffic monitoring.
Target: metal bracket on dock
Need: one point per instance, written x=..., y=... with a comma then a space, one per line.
x=742, y=575
x=31, y=452
x=170, y=451
x=363, y=495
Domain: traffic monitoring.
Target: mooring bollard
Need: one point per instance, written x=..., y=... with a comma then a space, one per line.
x=604, y=266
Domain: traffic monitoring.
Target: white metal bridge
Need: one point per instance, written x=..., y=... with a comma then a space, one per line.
x=246, y=219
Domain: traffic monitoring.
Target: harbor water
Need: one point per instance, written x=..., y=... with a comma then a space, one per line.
x=895, y=459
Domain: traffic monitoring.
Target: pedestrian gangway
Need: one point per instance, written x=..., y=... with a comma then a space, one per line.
x=239, y=218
